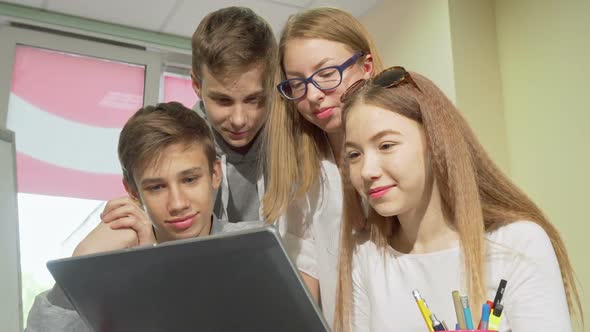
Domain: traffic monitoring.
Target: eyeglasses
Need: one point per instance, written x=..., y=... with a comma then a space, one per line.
x=328, y=78
x=388, y=78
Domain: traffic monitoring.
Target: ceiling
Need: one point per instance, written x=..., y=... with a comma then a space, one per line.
x=180, y=17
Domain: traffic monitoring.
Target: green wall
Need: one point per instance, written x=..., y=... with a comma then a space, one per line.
x=544, y=51
x=424, y=43
x=477, y=74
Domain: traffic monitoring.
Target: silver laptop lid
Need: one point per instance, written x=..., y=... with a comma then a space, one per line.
x=240, y=281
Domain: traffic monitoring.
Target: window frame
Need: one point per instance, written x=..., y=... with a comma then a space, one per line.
x=10, y=286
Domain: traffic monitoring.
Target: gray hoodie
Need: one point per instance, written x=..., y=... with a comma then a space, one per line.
x=242, y=186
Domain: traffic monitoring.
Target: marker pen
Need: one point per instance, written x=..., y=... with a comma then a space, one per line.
x=496, y=318
x=485, y=316
x=500, y=292
x=424, y=311
x=459, y=310
x=467, y=312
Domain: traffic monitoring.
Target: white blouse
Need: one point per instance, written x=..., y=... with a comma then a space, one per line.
x=311, y=233
x=521, y=253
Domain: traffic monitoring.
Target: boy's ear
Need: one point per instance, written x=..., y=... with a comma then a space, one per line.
x=216, y=174
x=130, y=190
x=196, y=84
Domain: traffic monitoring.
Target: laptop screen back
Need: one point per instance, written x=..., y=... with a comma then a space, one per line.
x=240, y=281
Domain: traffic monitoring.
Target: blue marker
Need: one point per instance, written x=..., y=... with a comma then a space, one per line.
x=467, y=312
x=485, y=316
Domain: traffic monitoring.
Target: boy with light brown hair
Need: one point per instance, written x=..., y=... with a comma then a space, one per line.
x=170, y=172
x=235, y=66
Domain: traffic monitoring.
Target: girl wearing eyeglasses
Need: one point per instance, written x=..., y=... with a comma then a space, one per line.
x=322, y=52
x=441, y=217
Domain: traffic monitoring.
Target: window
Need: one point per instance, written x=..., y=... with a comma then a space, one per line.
x=67, y=101
x=64, y=179
x=178, y=87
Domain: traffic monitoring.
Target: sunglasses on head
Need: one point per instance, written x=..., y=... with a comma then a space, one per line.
x=388, y=78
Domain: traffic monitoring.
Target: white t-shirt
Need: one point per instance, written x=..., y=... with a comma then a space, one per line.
x=521, y=253
x=310, y=229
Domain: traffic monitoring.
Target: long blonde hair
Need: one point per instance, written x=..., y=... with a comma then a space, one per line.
x=476, y=196
x=295, y=147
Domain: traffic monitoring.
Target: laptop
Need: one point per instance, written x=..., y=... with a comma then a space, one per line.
x=239, y=281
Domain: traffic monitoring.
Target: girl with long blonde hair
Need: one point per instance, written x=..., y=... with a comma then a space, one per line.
x=441, y=217
x=322, y=51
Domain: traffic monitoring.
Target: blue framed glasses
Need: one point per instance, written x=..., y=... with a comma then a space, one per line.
x=328, y=78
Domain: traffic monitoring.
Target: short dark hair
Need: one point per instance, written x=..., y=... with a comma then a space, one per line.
x=153, y=128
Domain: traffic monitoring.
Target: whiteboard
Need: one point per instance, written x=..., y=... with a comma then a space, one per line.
x=10, y=284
